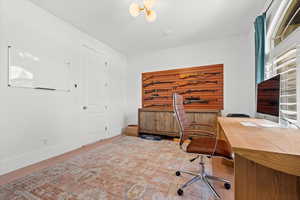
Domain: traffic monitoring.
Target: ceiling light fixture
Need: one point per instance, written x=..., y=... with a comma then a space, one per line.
x=135, y=10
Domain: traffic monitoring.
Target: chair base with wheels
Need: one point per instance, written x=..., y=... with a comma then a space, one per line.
x=202, y=176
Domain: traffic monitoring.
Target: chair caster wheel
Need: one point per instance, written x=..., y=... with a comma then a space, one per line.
x=180, y=192
x=178, y=173
x=227, y=186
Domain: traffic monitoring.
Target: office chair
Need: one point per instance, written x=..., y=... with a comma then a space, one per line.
x=204, y=143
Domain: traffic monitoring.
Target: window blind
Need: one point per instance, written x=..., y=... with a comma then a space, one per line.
x=286, y=66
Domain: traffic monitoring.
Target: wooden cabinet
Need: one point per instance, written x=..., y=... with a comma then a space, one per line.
x=163, y=122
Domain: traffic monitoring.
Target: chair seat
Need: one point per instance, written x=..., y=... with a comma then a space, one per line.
x=205, y=145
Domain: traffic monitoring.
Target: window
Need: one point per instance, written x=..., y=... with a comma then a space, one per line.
x=286, y=66
x=284, y=59
x=289, y=23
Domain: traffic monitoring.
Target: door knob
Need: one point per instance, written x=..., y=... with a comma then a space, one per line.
x=84, y=107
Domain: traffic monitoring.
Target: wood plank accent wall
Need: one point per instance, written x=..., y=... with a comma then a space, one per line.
x=202, y=87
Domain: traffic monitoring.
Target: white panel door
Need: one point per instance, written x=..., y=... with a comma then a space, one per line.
x=95, y=94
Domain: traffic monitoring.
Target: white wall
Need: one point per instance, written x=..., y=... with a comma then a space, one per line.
x=29, y=117
x=236, y=53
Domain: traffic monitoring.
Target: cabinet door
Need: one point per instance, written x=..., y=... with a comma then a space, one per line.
x=165, y=122
x=147, y=121
x=191, y=116
x=175, y=127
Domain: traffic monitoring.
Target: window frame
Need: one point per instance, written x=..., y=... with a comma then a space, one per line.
x=290, y=42
x=288, y=12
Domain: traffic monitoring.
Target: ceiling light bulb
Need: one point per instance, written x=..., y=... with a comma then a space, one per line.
x=134, y=9
x=149, y=3
x=151, y=16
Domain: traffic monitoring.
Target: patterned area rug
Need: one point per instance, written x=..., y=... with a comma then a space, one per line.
x=128, y=168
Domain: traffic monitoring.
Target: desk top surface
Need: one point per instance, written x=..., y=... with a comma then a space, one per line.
x=267, y=146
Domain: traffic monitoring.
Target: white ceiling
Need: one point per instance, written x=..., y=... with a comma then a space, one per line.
x=179, y=22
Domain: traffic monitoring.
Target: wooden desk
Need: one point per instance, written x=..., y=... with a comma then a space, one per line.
x=267, y=160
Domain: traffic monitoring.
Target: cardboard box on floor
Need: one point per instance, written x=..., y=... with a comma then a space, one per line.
x=132, y=130
x=177, y=140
